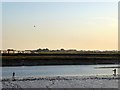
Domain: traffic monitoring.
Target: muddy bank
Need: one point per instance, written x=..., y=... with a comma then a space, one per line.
x=58, y=59
x=63, y=82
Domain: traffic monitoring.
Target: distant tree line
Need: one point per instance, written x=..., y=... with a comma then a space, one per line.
x=56, y=51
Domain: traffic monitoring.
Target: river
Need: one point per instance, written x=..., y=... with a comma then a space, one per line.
x=57, y=70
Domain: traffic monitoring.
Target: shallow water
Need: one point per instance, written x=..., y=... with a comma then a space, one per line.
x=55, y=70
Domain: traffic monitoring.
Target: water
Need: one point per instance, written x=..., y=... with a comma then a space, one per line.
x=62, y=70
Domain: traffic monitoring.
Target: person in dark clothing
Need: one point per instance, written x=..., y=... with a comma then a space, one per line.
x=13, y=76
x=114, y=72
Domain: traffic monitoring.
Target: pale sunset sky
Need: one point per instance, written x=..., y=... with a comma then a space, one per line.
x=68, y=25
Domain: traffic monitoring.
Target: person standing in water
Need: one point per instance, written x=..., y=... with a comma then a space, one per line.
x=13, y=76
x=114, y=72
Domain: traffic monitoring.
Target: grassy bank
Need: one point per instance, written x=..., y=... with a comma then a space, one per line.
x=58, y=59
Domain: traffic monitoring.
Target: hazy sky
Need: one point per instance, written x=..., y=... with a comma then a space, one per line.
x=70, y=25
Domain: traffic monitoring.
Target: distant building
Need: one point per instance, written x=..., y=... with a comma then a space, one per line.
x=10, y=51
x=3, y=51
x=20, y=51
x=27, y=51
x=34, y=51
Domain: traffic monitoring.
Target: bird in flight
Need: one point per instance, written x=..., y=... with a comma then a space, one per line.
x=34, y=25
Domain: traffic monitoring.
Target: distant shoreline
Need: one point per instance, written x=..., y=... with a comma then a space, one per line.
x=107, y=67
x=62, y=77
x=58, y=59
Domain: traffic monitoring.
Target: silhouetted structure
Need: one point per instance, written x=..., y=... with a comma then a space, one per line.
x=10, y=51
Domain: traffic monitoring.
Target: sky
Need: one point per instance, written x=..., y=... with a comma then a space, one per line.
x=68, y=25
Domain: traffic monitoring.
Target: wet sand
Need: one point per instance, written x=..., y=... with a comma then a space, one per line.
x=101, y=81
